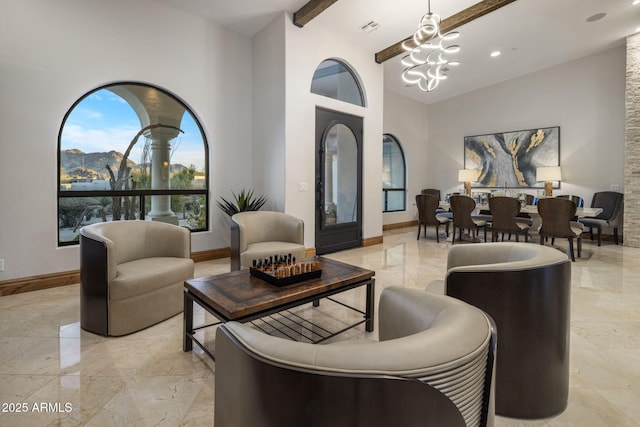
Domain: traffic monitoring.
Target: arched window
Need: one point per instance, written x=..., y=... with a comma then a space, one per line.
x=131, y=151
x=336, y=80
x=394, y=189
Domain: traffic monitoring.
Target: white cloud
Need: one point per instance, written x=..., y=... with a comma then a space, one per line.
x=104, y=140
x=118, y=139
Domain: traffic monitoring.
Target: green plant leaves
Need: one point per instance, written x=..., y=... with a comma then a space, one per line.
x=243, y=201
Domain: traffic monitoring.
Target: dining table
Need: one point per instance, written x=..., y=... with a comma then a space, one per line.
x=532, y=211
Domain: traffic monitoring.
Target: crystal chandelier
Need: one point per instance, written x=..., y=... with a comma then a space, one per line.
x=427, y=59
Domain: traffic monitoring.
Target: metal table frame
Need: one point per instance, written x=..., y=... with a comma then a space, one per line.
x=189, y=298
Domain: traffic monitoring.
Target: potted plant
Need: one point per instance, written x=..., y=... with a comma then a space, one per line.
x=243, y=201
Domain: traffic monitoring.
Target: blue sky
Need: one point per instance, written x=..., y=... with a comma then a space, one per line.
x=103, y=122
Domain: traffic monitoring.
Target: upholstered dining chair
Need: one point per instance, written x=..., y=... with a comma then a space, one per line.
x=530, y=200
x=462, y=208
x=504, y=211
x=612, y=204
x=436, y=193
x=432, y=191
x=557, y=214
x=579, y=201
x=427, y=207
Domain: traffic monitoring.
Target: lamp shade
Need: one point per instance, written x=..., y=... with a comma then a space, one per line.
x=467, y=175
x=548, y=173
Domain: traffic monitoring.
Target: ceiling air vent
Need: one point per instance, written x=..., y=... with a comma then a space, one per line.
x=370, y=26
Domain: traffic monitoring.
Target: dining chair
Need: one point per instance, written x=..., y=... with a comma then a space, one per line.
x=462, y=208
x=504, y=213
x=579, y=201
x=523, y=217
x=436, y=193
x=427, y=207
x=612, y=204
x=432, y=191
x=557, y=214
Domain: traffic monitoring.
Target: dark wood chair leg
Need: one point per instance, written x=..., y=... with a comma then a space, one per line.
x=579, y=246
x=599, y=236
x=571, y=254
x=615, y=235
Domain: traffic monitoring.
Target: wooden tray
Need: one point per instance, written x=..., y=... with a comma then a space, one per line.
x=283, y=281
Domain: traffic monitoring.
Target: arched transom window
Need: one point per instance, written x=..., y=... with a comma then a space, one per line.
x=334, y=79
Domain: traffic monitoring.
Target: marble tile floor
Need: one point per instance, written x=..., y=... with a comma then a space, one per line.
x=52, y=373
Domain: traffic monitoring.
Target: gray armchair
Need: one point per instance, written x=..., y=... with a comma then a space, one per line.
x=433, y=366
x=260, y=234
x=132, y=274
x=612, y=204
x=526, y=289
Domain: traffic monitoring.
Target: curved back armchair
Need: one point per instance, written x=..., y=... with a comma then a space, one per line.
x=557, y=215
x=612, y=204
x=463, y=207
x=433, y=366
x=427, y=207
x=504, y=211
x=261, y=234
x=526, y=289
x=132, y=274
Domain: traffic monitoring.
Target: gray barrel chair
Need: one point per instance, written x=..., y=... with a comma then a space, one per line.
x=132, y=274
x=432, y=366
x=526, y=289
x=261, y=234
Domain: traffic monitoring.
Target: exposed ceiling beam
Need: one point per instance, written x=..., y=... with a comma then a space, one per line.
x=454, y=21
x=310, y=10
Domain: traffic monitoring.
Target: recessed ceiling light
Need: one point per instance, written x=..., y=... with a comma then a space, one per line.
x=495, y=53
x=596, y=17
x=635, y=2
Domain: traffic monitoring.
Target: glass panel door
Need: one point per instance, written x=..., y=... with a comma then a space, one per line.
x=339, y=181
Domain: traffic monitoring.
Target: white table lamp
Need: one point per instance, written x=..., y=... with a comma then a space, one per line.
x=548, y=174
x=467, y=176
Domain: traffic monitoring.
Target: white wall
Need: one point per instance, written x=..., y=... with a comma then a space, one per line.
x=52, y=53
x=406, y=120
x=584, y=97
x=269, y=113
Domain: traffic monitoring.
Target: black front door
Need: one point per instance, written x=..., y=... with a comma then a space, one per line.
x=338, y=181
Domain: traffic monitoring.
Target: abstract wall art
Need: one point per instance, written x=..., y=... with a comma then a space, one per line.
x=510, y=159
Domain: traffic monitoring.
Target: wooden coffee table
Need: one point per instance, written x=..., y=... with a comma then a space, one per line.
x=241, y=297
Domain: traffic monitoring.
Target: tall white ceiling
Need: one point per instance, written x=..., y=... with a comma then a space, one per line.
x=531, y=34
